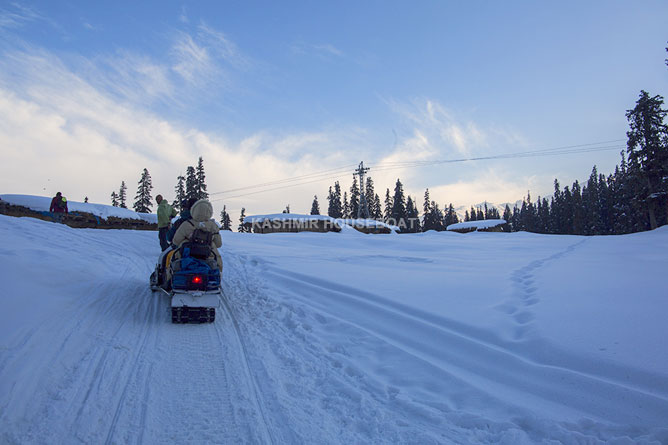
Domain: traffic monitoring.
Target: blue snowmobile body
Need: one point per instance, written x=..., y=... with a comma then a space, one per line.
x=194, y=287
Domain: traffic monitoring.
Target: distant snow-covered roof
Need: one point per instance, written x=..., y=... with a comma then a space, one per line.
x=366, y=223
x=482, y=224
x=42, y=204
x=258, y=219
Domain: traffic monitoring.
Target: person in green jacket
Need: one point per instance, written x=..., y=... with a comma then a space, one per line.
x=165, y=215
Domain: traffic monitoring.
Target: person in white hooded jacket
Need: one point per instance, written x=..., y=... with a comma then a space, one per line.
x=201, y=213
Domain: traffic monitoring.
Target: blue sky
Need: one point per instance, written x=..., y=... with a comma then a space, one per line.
x=91, y=94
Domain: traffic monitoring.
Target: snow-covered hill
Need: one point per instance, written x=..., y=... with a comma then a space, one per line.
x=337, y=338
x=42, y=204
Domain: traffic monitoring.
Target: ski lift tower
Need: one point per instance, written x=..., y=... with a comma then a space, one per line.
x=363, y=208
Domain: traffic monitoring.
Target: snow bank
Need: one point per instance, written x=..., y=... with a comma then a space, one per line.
x=483, y=224
x=42, y=204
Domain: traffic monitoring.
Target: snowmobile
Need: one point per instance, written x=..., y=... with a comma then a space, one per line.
x=194, y=283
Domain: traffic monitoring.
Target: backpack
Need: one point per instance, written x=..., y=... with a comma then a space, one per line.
x=200, y=243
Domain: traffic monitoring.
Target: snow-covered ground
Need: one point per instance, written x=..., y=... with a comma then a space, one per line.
x=337, y=338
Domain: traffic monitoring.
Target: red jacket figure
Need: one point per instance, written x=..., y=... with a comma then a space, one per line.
x=58, y=204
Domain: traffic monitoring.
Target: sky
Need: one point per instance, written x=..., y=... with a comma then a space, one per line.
x=267, y=91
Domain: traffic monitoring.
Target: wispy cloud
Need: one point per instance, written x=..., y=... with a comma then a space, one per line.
x=428, y=131
x=322, y=51
x=442, y=129
x=83, y=139
x=203, y=58
x=222, y=47
x=15, y=15
x=183, y=16
x=192, y=61
x=133, y=76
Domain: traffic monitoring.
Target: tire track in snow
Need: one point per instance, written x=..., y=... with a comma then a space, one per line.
x=238, y=283
x=251, y=382
x=134, y=369
x=514, y=377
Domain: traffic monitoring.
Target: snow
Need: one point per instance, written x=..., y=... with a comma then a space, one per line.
x=482, y=224
x=42, y=204
x=511, y=338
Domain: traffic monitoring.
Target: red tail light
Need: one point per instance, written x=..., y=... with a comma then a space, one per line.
x=197, y=279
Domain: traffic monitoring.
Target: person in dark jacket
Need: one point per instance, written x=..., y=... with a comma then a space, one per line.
x=58, y=207
x=185, y=216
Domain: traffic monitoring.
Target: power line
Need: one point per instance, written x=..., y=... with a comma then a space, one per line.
x=337, y=172
x=293, y=179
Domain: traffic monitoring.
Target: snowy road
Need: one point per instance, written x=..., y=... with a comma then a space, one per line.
x=336, y=338
x=102, y=364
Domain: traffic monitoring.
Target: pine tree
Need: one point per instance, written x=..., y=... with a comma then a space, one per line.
x=557, y=212
x=387, y=214
x=577, y=209
x=591, y=200
x=377, y=208
x=191, y=183
x=543, y=216
x=122, y=195
x=436, y=217
x=516, y=221
x=335, y=209
x=225, y=221
x=354, y=204
x=399, y=204
x=242, y=228
x=647, y=147
x=412, y=217
x=427, y=215
x=114, y=199
x=374, y=208
x=473, y=214
x=201, y=180
x=179, y=192
x=346, y=207
x=507, y=216
x=86, y=199
x=622, y=207
x=315, y=207
x=450, y=217
x=143, y=200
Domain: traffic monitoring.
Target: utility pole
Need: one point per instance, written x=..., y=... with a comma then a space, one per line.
x=363, y=208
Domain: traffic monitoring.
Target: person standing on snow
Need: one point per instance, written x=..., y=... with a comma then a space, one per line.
x=58, y=207
x=165, y=215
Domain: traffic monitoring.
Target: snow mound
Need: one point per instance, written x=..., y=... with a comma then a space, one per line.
x=42, y=204
x=484, y=224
